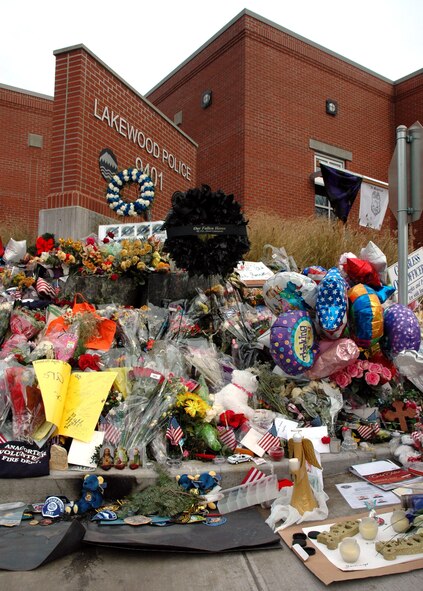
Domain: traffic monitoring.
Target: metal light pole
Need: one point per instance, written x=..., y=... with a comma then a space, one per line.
x=402, y=219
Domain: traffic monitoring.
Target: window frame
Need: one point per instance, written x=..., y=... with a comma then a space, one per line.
x=325, y=209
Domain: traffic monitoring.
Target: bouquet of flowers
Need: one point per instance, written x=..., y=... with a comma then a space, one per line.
x=146, y=410
x=361, y=375
x=26, y=401
x=26, y=322
x=5, y=312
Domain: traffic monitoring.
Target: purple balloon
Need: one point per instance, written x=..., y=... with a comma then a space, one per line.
x=401, y=330
x=292, y=342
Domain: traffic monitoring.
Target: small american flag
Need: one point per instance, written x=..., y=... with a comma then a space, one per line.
x=367, y=431
x=43, y=287
x=227, y=437
x=111, y=432
x=269, y=439
x=174, y=432
x=2, y=438
x=252, y=475
x=417, y=438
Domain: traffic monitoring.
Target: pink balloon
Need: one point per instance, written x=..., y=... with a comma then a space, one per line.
x=333, y=356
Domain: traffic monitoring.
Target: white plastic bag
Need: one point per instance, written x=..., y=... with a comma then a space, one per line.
x=14, y=251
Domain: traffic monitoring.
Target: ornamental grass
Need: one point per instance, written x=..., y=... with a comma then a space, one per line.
x=316, y=241
x=16, y=231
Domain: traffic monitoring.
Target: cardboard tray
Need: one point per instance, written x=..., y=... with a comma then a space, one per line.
x=327, y=572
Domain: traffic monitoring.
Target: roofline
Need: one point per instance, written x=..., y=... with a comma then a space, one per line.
x=245, y=11
x=140, y=96
x=409, y=76
x=28, y=92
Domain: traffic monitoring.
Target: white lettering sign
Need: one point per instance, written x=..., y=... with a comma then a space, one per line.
x=143, y=141
x=415, y=275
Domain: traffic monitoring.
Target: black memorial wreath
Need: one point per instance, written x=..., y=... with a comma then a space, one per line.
x=206, y=232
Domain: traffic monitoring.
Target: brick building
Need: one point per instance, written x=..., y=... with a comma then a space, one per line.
x=49, y=164
x=250, y=112
x=266, y=125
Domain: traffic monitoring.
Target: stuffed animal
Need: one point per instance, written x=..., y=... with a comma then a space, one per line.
x=406, y=450
x=92, y=494
x=204, y=482
x=235, y=396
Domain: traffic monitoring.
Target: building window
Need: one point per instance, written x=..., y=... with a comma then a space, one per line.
x=322, y=206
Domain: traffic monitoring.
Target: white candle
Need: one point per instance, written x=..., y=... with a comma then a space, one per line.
x=350, y=550
x=294, y=464
x=368, y=528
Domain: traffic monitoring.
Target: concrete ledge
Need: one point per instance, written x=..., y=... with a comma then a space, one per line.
x=121, y=483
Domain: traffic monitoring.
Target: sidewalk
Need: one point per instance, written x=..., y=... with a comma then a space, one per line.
x=107, y=569
x=120, y=483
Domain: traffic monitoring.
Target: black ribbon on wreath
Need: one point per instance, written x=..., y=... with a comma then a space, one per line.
x=206, y=232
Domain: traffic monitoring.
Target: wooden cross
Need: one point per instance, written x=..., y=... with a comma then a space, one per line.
x=400, y=413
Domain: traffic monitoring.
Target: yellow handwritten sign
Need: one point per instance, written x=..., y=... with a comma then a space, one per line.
x=53, y=379
x=87, y=394
x=72, y=401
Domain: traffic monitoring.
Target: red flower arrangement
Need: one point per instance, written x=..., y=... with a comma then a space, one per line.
x=87, y=361
x=44, y=243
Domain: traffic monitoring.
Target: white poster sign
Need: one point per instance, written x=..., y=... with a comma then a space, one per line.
x=373, y=205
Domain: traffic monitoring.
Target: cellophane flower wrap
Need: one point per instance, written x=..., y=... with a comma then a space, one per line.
x=26, y=401
x=26, y=322
x=128, y=329
x=5, y=313
x=145, y=410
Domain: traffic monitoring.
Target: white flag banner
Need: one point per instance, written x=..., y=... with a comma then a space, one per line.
x=373, y=205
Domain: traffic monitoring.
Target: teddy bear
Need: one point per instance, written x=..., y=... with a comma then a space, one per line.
x=406, y=450
x=200, y=484
x=235, y=396
x=204, y=482
x=92, y=494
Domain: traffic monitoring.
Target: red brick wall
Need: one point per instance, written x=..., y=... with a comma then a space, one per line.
x=269, y=93
x=219, y=129
x=93, y=109
x=24, y=169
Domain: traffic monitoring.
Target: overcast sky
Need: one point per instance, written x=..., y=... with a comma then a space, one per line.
x=143, y=41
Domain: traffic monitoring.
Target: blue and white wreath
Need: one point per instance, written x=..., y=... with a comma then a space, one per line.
x=146, y=192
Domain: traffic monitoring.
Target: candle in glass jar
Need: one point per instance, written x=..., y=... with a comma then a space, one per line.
x=368, y=528
x=349, y=549
x=276, y=453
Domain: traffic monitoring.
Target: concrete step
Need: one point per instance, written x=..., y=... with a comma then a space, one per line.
x=121, y=483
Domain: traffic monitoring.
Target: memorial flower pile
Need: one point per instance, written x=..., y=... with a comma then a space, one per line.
x=322, y=343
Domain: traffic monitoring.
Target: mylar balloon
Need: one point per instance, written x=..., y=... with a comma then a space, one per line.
x=360, y=271
x=333, y=356
x=332, y=304
x=366, y=316
x=292, y=342
x=315, y=272
x=401, y=330
x=288, y=290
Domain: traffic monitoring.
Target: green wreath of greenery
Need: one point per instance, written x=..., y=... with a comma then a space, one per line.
x=206, y=232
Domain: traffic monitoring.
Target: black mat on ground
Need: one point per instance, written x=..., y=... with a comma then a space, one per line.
x=27, y=547
x=243, y=530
